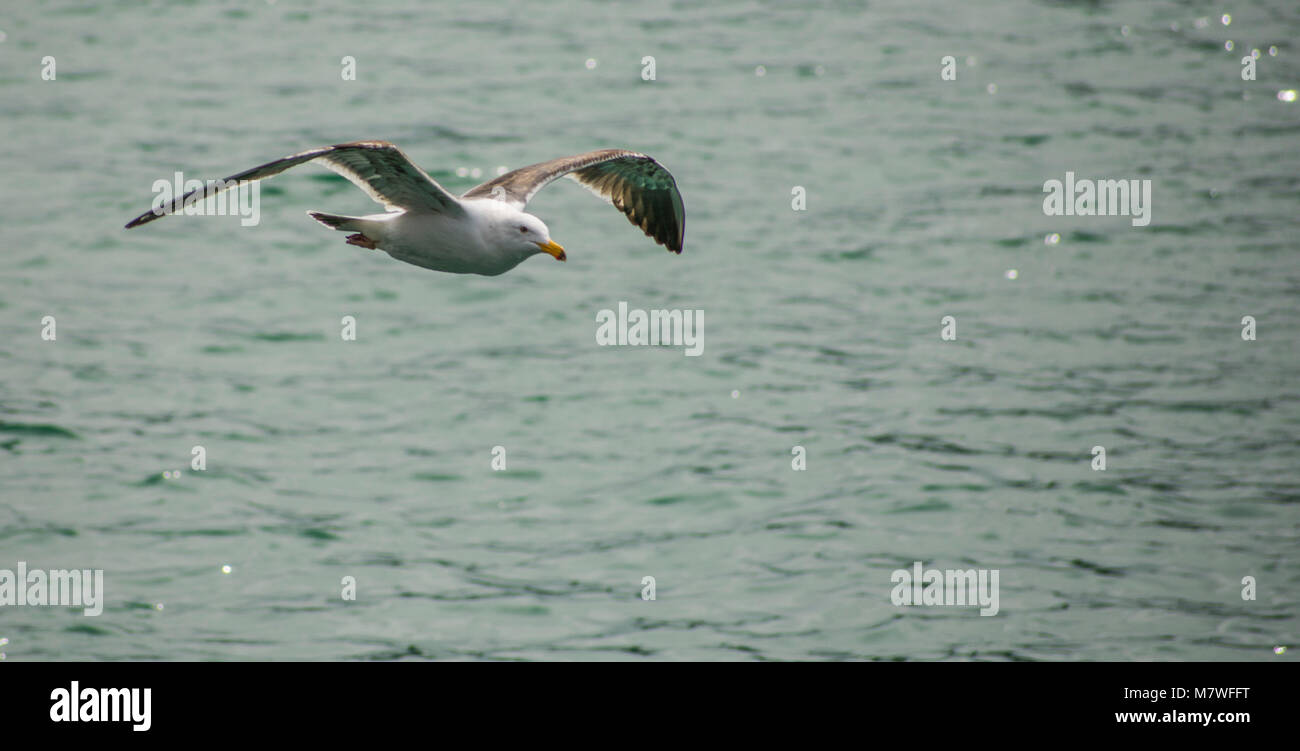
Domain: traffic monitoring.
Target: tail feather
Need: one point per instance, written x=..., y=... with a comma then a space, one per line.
x=336, y=222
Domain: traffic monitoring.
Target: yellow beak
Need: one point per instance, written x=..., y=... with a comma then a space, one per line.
x=555, y=249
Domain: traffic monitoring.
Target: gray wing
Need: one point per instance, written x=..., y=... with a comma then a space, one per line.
x=377, y=167
x=637, y=185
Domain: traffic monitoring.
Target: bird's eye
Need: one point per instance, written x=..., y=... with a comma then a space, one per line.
x=523, y=229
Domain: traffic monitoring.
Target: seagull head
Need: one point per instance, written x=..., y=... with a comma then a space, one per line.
x=530, y=236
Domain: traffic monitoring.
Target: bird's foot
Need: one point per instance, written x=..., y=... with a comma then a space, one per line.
x=362, y=241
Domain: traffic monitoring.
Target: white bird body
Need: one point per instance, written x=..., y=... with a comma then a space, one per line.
x=484, y=231
x=461, y=247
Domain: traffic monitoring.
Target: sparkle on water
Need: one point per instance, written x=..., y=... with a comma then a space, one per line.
x=1012, y=274
x=1052, y=239
x=1286, y=95
x=1228, y=45
x=225, y=569
x=1273, y=50
x=760, y=71
x=1227, y=19
x=591, y=63
x=735, y=394
x=992, y=88
x=1279, y=650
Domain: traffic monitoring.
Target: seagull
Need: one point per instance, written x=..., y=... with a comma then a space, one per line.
x=486, y=230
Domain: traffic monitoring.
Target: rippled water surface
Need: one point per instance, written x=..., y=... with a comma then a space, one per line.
x=372, y=458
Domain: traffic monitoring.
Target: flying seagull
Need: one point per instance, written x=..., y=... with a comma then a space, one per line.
x=485, y=231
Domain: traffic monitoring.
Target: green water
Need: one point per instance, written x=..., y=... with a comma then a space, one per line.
x=372, y=458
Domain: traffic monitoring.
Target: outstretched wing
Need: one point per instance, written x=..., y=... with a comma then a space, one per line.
x=637, y=185
x=377, y=167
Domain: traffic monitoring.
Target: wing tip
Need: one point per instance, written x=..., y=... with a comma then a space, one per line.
x=144, y=218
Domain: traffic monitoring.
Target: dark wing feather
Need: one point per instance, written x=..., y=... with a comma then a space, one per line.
x=637, y=185
x=377, y=167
